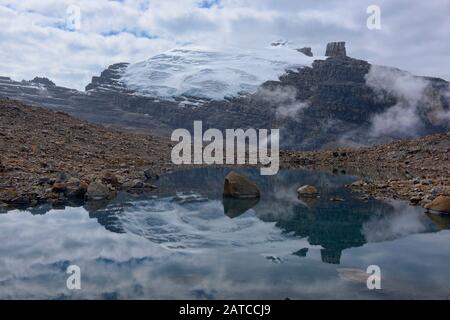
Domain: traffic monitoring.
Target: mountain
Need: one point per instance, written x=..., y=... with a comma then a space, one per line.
x=316, y=102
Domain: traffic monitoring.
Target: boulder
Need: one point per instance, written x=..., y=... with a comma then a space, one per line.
x=235, y=207
x=59, y=187
x=97, y=191
x=239, y=186
x=358, y=183
x=307, y=191
x=76, y=188
x=109, y=178
x=441, y=205
x=151, y=175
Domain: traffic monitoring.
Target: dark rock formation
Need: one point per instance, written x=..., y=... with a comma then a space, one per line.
x=336, y=49
x=306, y=51
x=109, y=79
x=43, y=81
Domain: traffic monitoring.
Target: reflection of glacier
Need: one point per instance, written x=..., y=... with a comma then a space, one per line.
x=180, y=245
x=192, y=222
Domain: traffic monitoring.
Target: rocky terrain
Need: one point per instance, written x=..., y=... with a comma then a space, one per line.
x=48, y=156
x=416, y=170
x=334, y=101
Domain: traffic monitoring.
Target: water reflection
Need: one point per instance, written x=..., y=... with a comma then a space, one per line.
x=186, y=241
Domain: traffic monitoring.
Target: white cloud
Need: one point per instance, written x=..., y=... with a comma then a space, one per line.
x=35, y=41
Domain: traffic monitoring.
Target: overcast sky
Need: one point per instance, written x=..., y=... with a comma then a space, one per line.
x=37, y=40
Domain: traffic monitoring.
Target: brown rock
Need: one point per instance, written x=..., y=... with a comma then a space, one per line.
x=441, y=204
x=109, y=178
x=239, y=186
x=76, y=188
x=59, y=187
x=307, y=191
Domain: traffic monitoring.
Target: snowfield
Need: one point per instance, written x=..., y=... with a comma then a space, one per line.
x=211, y=74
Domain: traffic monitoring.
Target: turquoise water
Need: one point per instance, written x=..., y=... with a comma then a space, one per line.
x=185, y=241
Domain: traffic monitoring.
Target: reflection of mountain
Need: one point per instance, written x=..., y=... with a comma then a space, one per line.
x=106, y=214
x=335, y=226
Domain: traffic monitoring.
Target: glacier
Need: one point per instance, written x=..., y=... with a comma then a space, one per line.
x=210, y=73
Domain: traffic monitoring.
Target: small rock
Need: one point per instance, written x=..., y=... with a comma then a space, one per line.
x=307, y=191
x=98, y=191
x=76, y=188
x=109, y=178
x=59, y=187
x=415, y=200
x=151, y=175
x=358, y=183
x=45, y=180
x=137, y=184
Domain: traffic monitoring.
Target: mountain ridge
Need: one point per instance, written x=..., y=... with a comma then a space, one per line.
x=337, y=100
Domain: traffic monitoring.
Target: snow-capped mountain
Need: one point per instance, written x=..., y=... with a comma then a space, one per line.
x=317, y=102
x=206, y=73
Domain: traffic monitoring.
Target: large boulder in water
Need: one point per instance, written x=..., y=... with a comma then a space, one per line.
x=238, y=186
x=235, y=207
x=441, y=205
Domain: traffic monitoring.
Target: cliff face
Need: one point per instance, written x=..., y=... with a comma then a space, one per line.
x=336, y=100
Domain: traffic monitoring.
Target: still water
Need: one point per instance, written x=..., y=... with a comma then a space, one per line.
x=185, y=241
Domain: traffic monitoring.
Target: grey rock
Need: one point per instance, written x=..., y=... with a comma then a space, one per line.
x=336, y=49
x=151, y=175
x=98, y=191
x=306, y=51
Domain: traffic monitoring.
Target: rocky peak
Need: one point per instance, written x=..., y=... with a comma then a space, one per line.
x=43, y=81
x=336, y=49
x=306, y=51
x=109, y=79
x=279, y=43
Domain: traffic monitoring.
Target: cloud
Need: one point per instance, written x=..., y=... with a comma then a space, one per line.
x=403, y=118
x=285, y=101
x=36, y=41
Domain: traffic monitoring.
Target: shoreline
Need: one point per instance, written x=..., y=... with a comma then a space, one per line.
x=51, y=157
x=416, y=170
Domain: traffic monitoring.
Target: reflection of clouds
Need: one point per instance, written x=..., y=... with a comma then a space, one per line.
x=199, y=225
x=415, y=266
x=192, y=250
x=403, y=220
x=127, y=265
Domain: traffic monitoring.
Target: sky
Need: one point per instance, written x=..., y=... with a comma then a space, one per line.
x=49, y=38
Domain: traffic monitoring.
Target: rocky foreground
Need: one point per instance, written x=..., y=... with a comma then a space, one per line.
x=415, y=170
x=48, y=156
x=52, y=157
